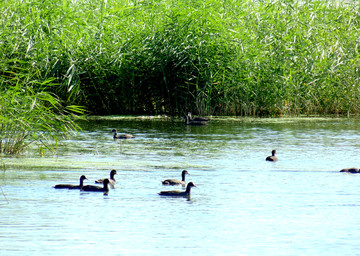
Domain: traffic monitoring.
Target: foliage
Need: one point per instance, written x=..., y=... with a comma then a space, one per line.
x=30, y=114
x=246, y=57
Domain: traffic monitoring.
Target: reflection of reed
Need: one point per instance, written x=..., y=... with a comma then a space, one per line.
x=120, y=146
x=2, y=191
x=3, y=167
x=96, y=150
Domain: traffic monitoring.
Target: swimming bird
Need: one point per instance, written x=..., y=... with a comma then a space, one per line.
x=175, y=181
x=272, y=158
x=112, y=180
x=198, y=118
x=179, y=193
x=122, y=136
x=188, y=121
x=70, y=186
x=92, y=188
x=351, y=170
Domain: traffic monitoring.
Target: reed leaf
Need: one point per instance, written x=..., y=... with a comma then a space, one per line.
x=246, y=57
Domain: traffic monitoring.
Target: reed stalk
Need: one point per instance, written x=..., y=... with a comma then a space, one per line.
x=30, y=114
x=262, y=58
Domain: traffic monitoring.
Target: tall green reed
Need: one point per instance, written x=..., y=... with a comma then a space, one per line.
x=29, y=114
x=213, y=57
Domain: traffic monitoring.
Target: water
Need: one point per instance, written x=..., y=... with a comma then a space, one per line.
x=243, y=205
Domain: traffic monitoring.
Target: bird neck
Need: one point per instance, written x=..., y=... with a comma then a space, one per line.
x=188, y=189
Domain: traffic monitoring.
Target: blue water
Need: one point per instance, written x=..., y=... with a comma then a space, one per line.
x=243, y=205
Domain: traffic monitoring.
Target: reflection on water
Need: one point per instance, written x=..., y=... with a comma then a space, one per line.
x=243, y=205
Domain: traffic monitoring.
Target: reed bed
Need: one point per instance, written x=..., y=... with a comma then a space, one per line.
x=29, y=114
x=243, y=57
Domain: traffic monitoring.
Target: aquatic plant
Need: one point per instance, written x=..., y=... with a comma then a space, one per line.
x=30, y=114
x=244, y=57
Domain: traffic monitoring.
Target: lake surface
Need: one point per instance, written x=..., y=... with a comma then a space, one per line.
x=243, y=205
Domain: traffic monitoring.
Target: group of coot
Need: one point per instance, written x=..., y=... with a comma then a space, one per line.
x=92, y=188
x=112, y=181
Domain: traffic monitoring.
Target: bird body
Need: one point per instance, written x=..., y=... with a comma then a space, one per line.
x=351, y=170
x=272, y=158
x=92, y=188
x=189, y=121
x=179, y=193
x=122, y=136
x=112, y=180
x=198, y=118
x=70, y=186
x=173, y=182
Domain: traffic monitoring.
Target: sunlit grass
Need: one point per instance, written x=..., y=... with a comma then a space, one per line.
x=30, y=114
x=245, y=58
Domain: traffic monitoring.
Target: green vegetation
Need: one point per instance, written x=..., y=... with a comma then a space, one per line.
x=30, y=114
x=243, y=57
